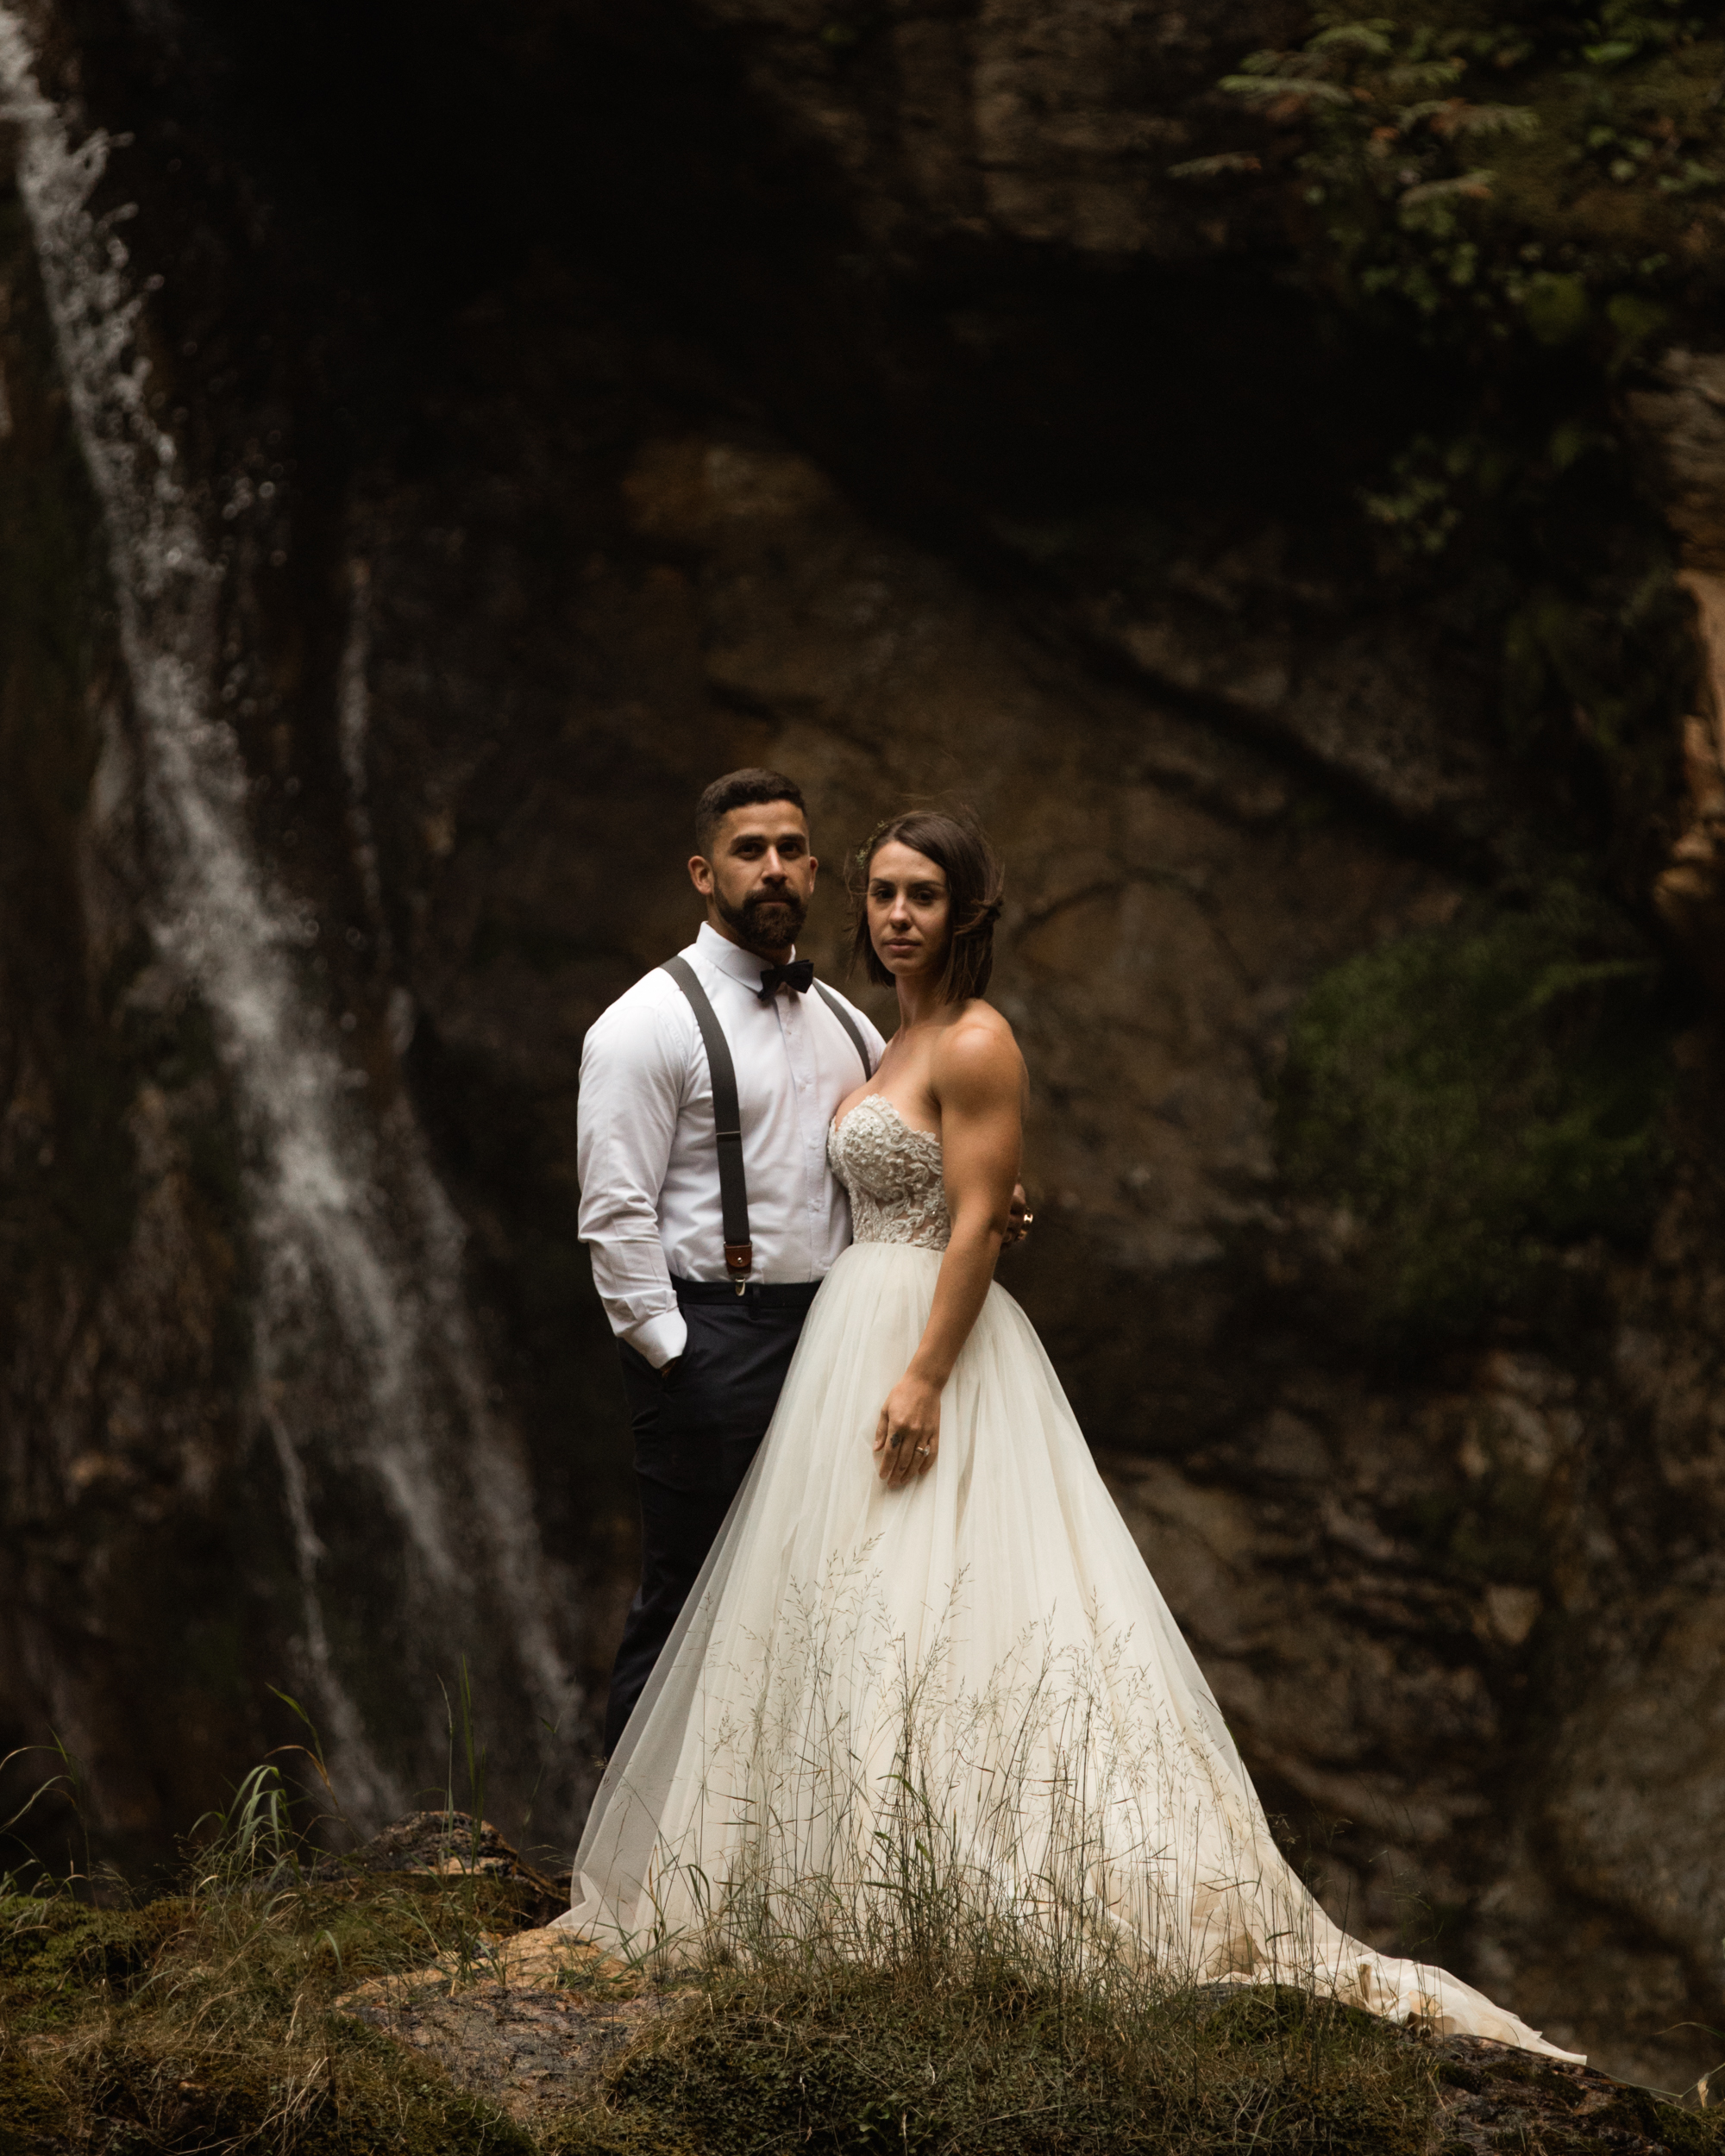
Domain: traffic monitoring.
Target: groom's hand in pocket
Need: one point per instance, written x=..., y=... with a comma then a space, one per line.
x=907, y=1435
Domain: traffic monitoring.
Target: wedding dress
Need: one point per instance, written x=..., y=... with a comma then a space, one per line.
x=974, y=1674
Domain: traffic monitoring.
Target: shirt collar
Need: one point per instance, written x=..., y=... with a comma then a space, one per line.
x=746, y=966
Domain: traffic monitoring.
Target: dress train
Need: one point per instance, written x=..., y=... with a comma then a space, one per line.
x=978, y=1666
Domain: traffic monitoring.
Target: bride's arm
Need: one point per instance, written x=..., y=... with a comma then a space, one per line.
x=979, y=1081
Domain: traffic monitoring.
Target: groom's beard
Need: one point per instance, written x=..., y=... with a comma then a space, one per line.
x=764, y=924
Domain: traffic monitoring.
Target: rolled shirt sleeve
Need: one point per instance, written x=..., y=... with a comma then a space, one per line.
x=634, y=1071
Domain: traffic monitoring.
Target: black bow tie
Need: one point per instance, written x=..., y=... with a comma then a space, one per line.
x=798, y=977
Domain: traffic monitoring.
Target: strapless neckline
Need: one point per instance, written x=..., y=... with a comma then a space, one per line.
x=839, y=1123
x=894, y=1174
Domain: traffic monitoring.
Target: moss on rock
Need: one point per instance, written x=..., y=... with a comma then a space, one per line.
x=1471, y=1102
x=869, y=2061
x=54, y=1954
x=207, y=2021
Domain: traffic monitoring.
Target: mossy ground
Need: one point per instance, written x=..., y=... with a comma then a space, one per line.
x=208, y=2022
x=871, y=2060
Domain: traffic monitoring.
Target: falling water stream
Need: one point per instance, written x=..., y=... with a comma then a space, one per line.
x=404, y=1506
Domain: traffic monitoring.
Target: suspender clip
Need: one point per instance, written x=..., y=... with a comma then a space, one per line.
x=739, y=1262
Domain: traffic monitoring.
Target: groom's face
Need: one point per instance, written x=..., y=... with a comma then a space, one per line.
x=759, y=876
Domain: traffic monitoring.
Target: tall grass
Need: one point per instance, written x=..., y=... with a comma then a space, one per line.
x=975, y=1921
x=891, y=1971
x=204, y=2020
x=1069, y=1806
x=902, y=1952
x=776, y=2058
x=1037, y=1911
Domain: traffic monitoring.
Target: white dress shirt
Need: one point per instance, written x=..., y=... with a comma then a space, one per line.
x=648, y=1155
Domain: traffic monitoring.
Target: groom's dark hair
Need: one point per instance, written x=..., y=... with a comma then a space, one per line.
x=741, y=789
x=956, y=842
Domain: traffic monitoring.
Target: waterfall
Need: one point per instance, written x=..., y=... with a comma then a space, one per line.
x=409, y=1522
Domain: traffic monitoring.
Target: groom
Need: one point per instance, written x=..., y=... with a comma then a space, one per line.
x=706, y=1202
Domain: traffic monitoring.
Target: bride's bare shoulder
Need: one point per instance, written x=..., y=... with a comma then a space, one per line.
x=976, y=1016
x=977, y=1049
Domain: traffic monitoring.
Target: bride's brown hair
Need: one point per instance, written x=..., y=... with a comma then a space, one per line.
x=975, y=881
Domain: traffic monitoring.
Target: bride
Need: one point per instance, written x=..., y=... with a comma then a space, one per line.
x=925, y=1636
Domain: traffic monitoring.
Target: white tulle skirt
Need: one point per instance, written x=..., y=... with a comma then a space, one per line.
x=974, y=1676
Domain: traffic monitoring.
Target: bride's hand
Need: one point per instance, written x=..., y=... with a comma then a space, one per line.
x=907, y=1436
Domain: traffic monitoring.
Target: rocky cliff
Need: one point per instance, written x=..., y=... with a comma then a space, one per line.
x=436, y=442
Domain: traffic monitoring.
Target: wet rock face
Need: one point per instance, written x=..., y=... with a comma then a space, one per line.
x=121, y=1323
x=1053, y=126
x=612, y=403
x=1680, y=415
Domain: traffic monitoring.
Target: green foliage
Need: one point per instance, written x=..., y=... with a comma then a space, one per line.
x=1512, y=207
x=1477, y=1100
x=1597, y=656
x=1452, y=167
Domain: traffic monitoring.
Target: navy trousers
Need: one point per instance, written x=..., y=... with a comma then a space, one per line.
x=697, y=1427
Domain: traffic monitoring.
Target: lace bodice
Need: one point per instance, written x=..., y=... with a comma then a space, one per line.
x=893, y=1173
